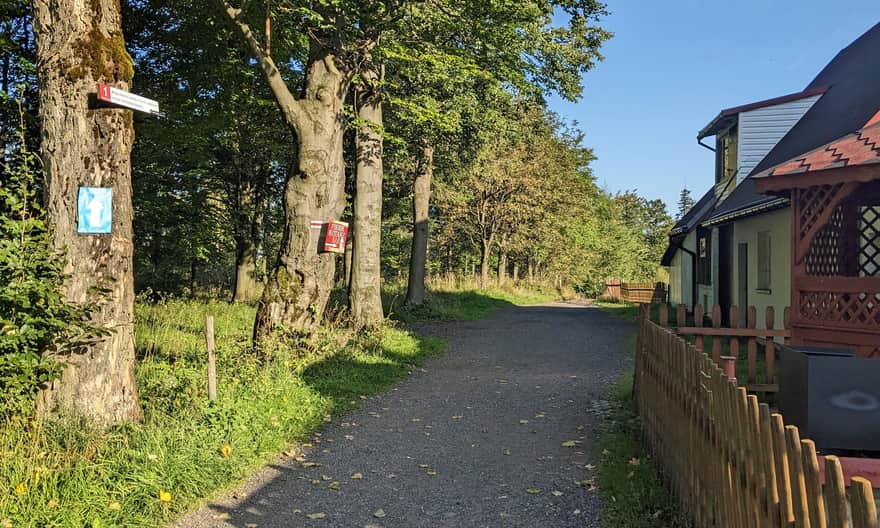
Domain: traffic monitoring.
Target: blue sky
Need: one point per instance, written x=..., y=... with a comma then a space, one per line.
x=673, y=65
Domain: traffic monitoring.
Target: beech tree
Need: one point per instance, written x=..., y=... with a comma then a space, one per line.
x=79, y=45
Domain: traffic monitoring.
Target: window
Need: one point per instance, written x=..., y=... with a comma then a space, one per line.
x=764, y=260
x=726, y=154
x=704, y=256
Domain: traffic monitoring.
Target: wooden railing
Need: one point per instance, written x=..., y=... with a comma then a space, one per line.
x=736, y=341
x=730, y=461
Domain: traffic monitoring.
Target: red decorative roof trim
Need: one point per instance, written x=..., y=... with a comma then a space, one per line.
x=860, y=148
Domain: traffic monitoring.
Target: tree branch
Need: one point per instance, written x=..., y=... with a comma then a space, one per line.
x=289, y=105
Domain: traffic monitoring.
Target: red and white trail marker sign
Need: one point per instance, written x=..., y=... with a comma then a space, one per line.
x=118, y=97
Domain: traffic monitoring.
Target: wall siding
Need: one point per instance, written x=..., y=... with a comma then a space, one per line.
x=761, y=129
x=681, y=273
x=778, y=223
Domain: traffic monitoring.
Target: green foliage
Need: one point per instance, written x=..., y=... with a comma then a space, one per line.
x=37, y=324
x=685, y=203
x=74, y=475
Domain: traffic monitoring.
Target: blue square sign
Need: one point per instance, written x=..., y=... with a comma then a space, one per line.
x=95, y=210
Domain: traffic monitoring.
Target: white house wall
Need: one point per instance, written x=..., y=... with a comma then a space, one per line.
x=707, y=293
x=681, y=273
x=778, y=223
x=761, y=129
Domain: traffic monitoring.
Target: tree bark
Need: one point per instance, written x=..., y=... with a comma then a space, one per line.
x=515, y=272
x=346, y=270
x=365, y=295
x=418, y=260
x=80, y=44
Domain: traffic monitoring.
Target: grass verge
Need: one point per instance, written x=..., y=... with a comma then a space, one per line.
x=187, y=449
x=632, y=493
x=459, y=304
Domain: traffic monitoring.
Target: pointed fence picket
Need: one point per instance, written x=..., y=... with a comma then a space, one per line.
x=727, y=458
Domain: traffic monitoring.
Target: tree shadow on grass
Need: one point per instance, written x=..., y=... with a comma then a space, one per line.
x=465, y=305
x=347, y=376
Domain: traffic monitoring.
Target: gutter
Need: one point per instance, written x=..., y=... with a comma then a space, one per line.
x=700, y=143
x=777, y=203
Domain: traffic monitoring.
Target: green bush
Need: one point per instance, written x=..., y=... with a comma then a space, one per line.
x=36, y=323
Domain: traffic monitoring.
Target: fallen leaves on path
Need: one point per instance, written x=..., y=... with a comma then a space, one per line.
x=380, y=513
x=318, y=515
x=357, y=476
x=533, y=491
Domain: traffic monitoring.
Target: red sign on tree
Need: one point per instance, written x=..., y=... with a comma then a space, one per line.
x=335, y=237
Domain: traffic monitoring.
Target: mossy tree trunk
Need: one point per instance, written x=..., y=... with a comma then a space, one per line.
x=415, y=291
x=298, y=287
x=79, y=45
x=365, y=296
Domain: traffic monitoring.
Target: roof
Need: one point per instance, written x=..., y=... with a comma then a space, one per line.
x=851, y=100
x=851, y=87
x=745, y=201
x=688, y=222
x=859, y=148
x=695, y=214
x=722, y=120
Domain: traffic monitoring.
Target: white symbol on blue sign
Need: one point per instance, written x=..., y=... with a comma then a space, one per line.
x=95, y=210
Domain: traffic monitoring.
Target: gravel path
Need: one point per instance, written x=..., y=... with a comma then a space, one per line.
x=482, y=436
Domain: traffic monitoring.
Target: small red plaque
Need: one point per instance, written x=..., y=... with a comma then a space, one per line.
x=336, y=236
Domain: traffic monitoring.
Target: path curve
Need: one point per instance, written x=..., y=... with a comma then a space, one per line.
x=473, y=439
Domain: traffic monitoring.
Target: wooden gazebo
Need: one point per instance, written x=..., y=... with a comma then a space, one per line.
x=835, y=240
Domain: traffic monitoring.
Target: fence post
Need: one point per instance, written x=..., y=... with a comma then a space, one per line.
x=716, y=341
x=861, y=498
x=212, y=372
x=835, y=490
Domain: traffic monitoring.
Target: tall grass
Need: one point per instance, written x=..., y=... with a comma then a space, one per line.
x=186, y=450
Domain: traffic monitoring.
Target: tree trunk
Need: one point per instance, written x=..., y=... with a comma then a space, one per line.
x=246, y=286
x=365, y=295
x=415, y=291
x=297, y=289
x=515, y=272
x=531, y=271
x=484, y=262
x=79, y=45
x=502, y=268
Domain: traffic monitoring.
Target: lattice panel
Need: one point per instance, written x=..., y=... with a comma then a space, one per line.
x=850, y=309
x=825, y=255
x=869, y=241
x=812, y=201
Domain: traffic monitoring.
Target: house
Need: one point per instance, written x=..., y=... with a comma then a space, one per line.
x=835, y=272
x=743, y=254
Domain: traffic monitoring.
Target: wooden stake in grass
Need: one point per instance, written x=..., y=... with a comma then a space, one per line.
x=212, y=371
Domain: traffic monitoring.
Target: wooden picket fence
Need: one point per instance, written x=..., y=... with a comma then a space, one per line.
x=730, y=462
x=742, y=337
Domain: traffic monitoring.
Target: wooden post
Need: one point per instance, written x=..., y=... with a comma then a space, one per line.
x=861, y=498
x=716, y=340
x=836, y=492
x=212, y=370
